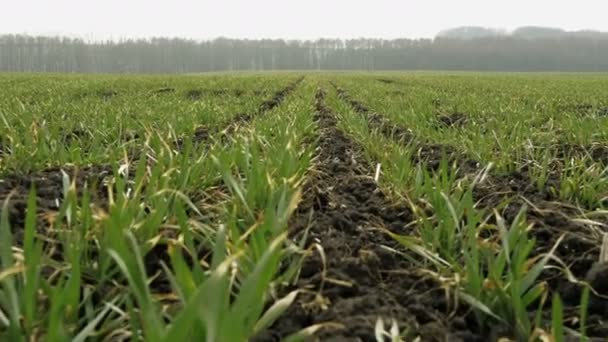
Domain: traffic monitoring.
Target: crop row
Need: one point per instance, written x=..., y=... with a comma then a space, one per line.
x=278, y=207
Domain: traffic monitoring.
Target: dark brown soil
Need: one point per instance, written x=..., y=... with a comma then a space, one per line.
x=386, y=81
x=358, y=281
x=201, y=134
x=165, y=90
x=456, y=119
x=278, y=97
x=196, y=94
x=431, y=155
x=49, y=191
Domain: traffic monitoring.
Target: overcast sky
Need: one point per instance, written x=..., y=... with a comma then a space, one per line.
x=301, y=19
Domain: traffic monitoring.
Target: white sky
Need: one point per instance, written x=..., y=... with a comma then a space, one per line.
x=301, y=19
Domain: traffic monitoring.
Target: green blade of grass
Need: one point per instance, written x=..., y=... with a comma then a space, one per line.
x=557, y=319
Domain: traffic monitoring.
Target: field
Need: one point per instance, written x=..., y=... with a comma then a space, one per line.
x=288, y=207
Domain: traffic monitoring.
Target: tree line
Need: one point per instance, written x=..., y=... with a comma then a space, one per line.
x=21, y=53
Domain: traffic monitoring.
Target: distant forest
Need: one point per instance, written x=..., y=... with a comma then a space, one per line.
x=469, y=48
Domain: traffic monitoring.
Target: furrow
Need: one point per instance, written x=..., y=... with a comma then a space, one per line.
x=355, y=279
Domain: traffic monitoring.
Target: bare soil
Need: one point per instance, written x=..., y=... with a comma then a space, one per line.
x=358, y=280
x=49, y=192
x=456, y=119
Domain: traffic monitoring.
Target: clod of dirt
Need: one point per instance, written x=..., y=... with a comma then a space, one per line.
x=456, y=119
x=597, y=277
x=242, y=118
x=165, y=90
x=602, y=111
x=201, y=134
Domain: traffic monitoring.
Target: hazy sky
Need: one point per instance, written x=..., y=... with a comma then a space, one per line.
x=302, y=19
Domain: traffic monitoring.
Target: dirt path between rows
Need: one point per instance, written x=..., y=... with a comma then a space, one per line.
x=357, y=280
